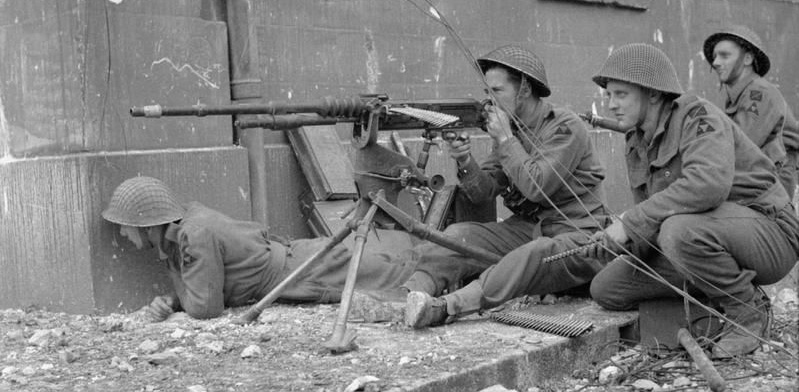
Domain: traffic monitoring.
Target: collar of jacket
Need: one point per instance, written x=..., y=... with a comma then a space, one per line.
x=533, y=118
x=734, y=92
x=639, y=138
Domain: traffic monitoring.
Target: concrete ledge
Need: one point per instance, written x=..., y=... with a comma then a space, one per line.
x=536, y=364
x=484, y=353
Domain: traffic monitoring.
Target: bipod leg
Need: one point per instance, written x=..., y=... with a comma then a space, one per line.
x=342, y=340
x=251, y=314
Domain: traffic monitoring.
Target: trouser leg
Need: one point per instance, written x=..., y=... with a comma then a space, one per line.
x=440, y=267
x=724, y=251
x=324, y=280
x=626, y=281
x=721, y=253
x=522, y=272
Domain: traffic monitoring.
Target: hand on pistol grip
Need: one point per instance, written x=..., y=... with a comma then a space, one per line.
x=460, y=148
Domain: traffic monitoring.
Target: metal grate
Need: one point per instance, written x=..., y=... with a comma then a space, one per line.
x=557, y=325
x=435, y=119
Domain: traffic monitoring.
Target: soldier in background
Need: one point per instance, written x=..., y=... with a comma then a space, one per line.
x=710, y=212
x=215, y=261
x=755, y=104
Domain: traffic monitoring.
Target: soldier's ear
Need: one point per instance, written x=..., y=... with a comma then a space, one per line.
x=654, y=96
x=749, y=58
x=525, y=88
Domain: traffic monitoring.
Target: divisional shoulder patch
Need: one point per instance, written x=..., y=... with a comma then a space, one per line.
x=756, y=95
x=563, y=130
x=704, y=128
x=697, y=111
x=753, y=109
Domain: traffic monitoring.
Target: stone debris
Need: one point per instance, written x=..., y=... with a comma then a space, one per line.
x=360, y=383
x=251, y=351
x=48, y=338
x=497, y=388
x=215, y=346
x=197, y=388
x=109, y=325
x=15, y=335
x=609, y=374
x=646, y=385
x=7, y=371
x=121, y=364
x=681, y=382
x=162, y=358
x=268, y=317
x=149, y=346
x=178, y=334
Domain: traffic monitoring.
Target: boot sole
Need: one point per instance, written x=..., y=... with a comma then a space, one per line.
x=416, y=306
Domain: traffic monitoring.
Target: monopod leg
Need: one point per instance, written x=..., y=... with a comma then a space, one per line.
x=251, y=314
x=342, y=340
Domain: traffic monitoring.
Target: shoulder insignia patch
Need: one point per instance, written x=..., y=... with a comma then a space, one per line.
x=563, y=130
x=756, y=95
x=704, y=128
x=697, y=111
x=753, y=109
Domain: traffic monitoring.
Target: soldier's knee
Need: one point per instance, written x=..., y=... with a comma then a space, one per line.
x=677, y=233
x=606, y=293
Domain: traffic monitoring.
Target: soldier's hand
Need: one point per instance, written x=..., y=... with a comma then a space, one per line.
x=610, y=243
x=460, y=148
x=160, y=309
x=498, y=124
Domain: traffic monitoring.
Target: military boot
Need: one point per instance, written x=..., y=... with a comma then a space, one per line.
x=752, y=315
x=374, y=306
x=422, y=310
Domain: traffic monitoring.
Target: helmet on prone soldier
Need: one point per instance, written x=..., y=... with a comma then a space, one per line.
x=143, y=202
x=521, y=60
x=640, y=64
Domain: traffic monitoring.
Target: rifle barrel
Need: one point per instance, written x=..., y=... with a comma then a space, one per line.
x=327, y=107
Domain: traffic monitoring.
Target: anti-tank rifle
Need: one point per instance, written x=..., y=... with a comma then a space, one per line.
x=369, y=114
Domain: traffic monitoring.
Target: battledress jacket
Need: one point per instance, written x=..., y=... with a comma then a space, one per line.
x=215, y=261
x=762, y=113
x=696, y=159
x=529, y=171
